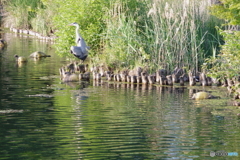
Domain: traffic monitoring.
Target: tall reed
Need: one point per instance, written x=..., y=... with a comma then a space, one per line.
x=21, y=12
x=42, y=22
x=160, y=34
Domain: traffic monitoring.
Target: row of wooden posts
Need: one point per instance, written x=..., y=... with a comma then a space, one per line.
x=139, y=75
x=36, y=34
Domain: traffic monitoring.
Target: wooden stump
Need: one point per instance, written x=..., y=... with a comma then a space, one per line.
x=109, y=76
x=209, y=81
x=151, y=79
x=176, y=74
x=144, y=79
x=192, y=80
x=128, y=79
x=159, y=73
x=118, y=77
x=133, y=79
x=163, y=80
x=203, y=79
x=169, y=80
x=123, y=77
x=139, y=79
x=181, y=80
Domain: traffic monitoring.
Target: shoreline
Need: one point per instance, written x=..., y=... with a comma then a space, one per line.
x=30, y=32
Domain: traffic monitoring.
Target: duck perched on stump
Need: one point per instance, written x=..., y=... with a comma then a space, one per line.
x=203, y=95
x=38, y=54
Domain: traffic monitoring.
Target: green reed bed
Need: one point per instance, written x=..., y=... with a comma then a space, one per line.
x=160, y=34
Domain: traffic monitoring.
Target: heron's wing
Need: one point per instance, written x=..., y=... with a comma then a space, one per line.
x=77, y=51
x=81, y=43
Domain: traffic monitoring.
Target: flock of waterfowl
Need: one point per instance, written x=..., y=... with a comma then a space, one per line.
x=21, y=59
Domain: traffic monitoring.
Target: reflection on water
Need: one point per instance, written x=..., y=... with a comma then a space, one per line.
x=43, y=118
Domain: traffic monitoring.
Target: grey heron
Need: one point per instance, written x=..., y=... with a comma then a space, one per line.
x=81, y=50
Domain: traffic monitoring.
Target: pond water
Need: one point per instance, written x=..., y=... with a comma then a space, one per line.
x=43, y=118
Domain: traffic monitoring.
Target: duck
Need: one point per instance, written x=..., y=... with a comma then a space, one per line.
x=38, y=54
x=70, y=77
x=67, y=76
x=84, y=76
x=3, y=43
x=20, y=59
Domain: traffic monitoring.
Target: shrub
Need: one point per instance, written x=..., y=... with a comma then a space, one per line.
x=226, y=64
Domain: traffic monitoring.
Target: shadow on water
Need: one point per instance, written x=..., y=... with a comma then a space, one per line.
x=44, y=118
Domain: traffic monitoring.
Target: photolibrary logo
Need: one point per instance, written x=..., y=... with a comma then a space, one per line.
x=223, y=153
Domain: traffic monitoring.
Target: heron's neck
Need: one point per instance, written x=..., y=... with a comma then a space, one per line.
x=77, y=33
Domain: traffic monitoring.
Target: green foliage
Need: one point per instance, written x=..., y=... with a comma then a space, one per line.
x=81, y=12
x=20, y=12
x=226, y=64
x=228, y=10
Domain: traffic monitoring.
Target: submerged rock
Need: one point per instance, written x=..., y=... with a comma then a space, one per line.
x=203, y=95
x=38, y=54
